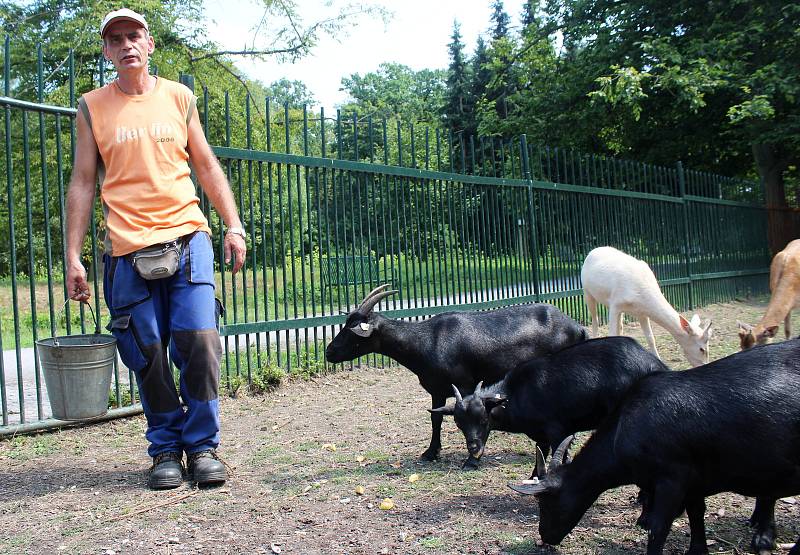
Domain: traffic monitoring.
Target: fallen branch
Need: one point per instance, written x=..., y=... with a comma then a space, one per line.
x=155, y=506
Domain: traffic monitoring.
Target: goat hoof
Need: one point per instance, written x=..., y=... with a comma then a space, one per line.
x=762, y=543
x=642, y=523
x=430, y=455
x=470, y=464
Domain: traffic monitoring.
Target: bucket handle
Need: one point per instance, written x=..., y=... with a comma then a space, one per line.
x=94, y=318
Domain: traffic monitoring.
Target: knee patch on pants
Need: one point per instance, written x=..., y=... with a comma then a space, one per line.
x=156, y=382
x=201, y=353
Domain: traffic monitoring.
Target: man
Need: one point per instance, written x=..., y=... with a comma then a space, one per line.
x=140, y=132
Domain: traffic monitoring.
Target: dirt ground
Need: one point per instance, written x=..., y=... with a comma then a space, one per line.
x=299, y=458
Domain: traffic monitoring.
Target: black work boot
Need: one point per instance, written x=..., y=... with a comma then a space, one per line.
x=205, y=468
x=166, y=472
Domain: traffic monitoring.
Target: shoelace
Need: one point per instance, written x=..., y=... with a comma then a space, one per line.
x=168, y=455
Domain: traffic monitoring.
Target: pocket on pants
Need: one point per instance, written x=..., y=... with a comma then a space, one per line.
x=130, y=351
x=200, y=259
x=127, y=287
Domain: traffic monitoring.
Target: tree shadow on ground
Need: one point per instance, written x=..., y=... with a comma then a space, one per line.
x=29, y=483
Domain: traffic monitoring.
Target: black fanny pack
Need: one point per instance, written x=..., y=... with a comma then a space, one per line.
x=157, y=261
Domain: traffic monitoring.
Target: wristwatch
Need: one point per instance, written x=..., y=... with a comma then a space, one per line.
x=237, y=231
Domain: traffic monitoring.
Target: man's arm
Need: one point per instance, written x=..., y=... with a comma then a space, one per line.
x=215, y=185
x=80, y=199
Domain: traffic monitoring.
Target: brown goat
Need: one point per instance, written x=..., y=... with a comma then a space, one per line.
x=784, y=282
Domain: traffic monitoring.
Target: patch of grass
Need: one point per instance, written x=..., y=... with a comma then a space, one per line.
x=307, y=446
x=386, y=490
x=125, y=398
x=376, y=456
x=24, y=448
x=264, y=453
x=432, y=542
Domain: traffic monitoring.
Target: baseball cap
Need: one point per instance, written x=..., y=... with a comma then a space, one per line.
x=123, y=14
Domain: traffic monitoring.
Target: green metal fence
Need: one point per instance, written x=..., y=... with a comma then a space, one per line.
x=334, y=206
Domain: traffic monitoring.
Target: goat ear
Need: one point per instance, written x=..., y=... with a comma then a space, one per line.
x=492, y=401
x=770, y=331
x=696, y=320
x=364, y=329
x=685, y=324
x=444, y=411
x=743, y=327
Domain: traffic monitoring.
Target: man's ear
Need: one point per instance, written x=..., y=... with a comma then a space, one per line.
x=444, y=411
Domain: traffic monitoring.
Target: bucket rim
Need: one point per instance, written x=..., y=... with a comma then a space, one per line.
x=49, y=341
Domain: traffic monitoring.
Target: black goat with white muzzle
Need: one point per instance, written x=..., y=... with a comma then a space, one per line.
x=550, y=397
x=459, y=348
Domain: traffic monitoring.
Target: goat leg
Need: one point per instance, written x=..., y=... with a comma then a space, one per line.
x=763, y=520
x=667, y=501
x=643, y=498
x=432, y=452
x=696, y=510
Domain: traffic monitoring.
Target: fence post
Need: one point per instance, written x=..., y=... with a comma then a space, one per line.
x=526, y=173
x=187, y=80
x=686, y=245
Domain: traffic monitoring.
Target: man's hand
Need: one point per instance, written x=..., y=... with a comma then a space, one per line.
x=77, y=286
x=235, y=245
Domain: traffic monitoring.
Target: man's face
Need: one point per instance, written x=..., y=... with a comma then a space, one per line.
x=127, y=45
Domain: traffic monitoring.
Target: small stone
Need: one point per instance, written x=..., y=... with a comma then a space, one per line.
x=789, y=500
x=174, y=540
x=721, y=512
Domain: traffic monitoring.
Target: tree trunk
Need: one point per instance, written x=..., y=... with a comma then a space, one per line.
x=771, y=163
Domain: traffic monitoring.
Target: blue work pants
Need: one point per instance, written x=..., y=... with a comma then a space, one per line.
x=178, y=314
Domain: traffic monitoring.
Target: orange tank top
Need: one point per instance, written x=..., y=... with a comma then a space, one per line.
x=145, y=185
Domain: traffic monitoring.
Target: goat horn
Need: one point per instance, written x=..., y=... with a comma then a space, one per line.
x=478, y=389
x=558, y=456
x=529, y=489
x=375, y=291
x=541, y=467
x=376, y=296
x=459, y=399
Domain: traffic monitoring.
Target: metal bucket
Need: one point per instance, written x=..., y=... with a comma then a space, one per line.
x=77, y=371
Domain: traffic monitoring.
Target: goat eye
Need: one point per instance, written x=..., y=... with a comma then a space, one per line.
x=702, y=350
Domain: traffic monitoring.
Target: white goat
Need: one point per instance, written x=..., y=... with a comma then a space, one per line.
x=628, y=285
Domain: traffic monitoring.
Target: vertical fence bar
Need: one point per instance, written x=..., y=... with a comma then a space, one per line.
x=9, y=200
x=12, y=240
x=532, y=235
x=686, y=243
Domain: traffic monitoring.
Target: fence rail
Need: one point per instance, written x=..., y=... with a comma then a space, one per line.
x=516, y=230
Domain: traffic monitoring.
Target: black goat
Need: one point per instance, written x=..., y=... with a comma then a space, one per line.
x=731, y=425
x=460, y=348
x=550, y=397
